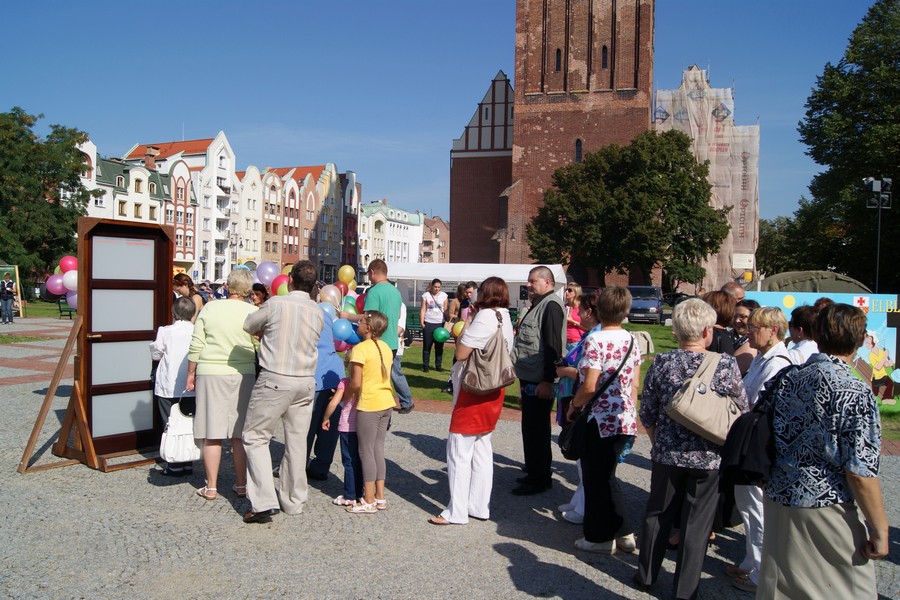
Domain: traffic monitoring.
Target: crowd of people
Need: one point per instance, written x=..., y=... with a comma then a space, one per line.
x=253, y=361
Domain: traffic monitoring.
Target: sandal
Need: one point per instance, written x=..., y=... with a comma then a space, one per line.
x=240, y=490
x=362, y=509
x=381, y=504
x=438, y=521
x=341, y=501
x=208, y=493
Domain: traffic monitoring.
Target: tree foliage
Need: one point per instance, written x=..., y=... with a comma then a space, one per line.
x=631, y=206
x=41, y=195
x=852, y=126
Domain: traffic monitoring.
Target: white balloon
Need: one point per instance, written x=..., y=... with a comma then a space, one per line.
x=70, y=280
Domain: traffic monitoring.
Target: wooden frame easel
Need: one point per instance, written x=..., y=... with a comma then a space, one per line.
x=76, y=420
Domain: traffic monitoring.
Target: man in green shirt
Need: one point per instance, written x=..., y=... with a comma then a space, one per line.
x=384, y=298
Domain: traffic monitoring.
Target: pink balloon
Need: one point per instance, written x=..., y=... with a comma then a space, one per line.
x=68, y=263
x=55, y=285
x=341, y=346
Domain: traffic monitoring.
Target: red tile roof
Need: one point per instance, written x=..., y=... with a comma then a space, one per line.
x=167, y=149
x=240, y=175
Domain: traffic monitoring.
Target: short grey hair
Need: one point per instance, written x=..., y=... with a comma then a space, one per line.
x=240, y=283
x=183, y=309
x=690, y=318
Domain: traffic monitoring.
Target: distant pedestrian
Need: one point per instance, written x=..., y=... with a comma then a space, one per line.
x=7, y=297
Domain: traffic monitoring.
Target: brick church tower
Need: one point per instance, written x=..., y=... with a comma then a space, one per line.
x=583, y=79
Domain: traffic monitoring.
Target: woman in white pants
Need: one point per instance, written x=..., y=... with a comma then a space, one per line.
x=470, y=456
x=767, y=329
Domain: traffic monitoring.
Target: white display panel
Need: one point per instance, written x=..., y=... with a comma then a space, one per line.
x=122, y=310
x=116, y=362
x=123, y=258
x=121, y=413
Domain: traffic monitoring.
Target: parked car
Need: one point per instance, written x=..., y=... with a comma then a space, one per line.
x=646, y=304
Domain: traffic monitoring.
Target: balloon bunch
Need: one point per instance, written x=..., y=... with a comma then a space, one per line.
x=268, y=275
x=65, y=280
x=341, y=296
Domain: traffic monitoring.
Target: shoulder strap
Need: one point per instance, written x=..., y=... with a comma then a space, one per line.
x=609, y=380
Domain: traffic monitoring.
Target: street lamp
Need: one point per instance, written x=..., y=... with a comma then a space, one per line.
x=879, y=199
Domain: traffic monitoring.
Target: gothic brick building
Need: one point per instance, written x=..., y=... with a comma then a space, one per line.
x=583, y=79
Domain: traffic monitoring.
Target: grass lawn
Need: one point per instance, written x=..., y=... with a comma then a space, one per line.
x=40, y=308
x=15, y=339
x=428, y=386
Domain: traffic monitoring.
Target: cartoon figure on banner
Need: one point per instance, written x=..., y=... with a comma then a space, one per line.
x=880, y=360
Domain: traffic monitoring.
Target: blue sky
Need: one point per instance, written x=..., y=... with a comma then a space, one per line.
x=380, y=88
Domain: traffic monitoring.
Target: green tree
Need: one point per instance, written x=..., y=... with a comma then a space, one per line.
x=852, y=127
x=41, y=195
x=632, y=206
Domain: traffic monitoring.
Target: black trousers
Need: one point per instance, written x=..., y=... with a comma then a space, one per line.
x=605, y=512
x=697, y=490
x=428, y=342
x=536, y=437
x=319, y=442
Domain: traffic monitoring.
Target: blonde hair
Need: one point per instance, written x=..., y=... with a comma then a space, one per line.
x=690, y=318
x=770, y=316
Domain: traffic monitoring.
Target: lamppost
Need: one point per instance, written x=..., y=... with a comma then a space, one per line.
x=880, y=199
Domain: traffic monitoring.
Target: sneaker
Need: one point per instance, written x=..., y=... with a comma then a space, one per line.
x=626, y=543
x=573, y=517
x=600, y=547
x=405, y=410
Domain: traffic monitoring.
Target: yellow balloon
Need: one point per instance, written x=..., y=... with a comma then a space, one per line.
x=282, y=290
x=346, y=274
x=351, y=285
x=287, y=269
x=457, y=328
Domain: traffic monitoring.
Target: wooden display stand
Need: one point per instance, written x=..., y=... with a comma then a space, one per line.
x=125, y=295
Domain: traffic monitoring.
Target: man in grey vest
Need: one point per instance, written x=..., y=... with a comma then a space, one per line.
x=539, y=344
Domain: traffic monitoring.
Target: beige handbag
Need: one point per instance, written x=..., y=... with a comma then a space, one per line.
x=490, y=369
x=698, y=408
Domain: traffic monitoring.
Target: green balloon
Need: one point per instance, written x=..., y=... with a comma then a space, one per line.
x=441, y=335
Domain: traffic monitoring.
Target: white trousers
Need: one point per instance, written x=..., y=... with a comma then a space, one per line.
x=470, y=469
x=749, y=501
x=577, y=500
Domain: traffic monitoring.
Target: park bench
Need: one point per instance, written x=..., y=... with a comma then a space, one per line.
x=64, y=308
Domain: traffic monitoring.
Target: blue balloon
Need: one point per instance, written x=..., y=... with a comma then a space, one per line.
x=354, y=339
x=342, y=329
x=328, y=309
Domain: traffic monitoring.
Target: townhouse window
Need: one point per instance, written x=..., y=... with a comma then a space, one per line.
x=152, y=214
x=137, y=211
x=274, y=246
x=179, y=193
x=170, y=215
x=268, y=227
x=138, y=186
x=179, y=216
x=179, y=239
x=274, y=227
x=205, y=224
x=189, y=241
x=123, y=208
x=190, y=218
x=120, y=181
x=152, y=187
x=247, y=224
x=268, y=246
x=604, y=58
x=558, y=60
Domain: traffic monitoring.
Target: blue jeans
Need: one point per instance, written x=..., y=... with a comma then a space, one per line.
x=6, y=311
x=401, y=386
x=353, y=479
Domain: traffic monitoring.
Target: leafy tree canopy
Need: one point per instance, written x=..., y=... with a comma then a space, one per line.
x=632, y=206
x=41, y=196
x=852, y=126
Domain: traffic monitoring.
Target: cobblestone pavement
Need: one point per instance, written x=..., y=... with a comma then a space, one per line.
x=74, y=532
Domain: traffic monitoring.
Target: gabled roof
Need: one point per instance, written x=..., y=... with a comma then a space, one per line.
x=240, y=175
x=298, y=174
x=167, y=149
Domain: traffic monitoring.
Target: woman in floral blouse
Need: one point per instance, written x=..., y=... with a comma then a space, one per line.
x=824, y=481
x=685, y=465
x=612, y=424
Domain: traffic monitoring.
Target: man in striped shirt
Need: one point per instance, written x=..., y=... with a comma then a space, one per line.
x=288, y=328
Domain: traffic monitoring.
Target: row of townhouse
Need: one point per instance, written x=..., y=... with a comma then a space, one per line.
x=223, y=217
